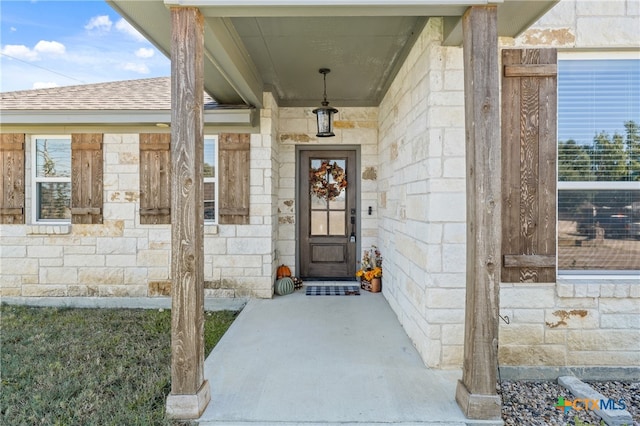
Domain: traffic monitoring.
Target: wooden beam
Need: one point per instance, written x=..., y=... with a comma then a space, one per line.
x=476, y=392
x=529, y=261
x=190, y=393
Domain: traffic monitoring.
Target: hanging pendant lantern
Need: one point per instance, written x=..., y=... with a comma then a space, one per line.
x=324, y=114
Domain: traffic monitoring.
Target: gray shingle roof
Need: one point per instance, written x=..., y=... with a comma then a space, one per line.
x=146, y=94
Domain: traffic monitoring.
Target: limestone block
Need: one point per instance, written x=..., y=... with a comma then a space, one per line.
x=13, y=230
x=158, y=273
x=619, y=306
x=622, y=290
x=521, y=334
x=555, y=337
x=153, y=258
x=120, y=260
x=58, y=275
x=40, y=290
x=452, y=356
x=531, y=355
x=122, y=290
x=527, y=297
x=454, y=257
x=564, y=289
x=440, y=207
x=444, y=316
x=575, y=302
x=248, y=246
x=15, y=266
x=604, y=358
x=623, y=321
x=453, y=334
x=533, y=316
x=562, y=14
x=598, y=340
x=134, y=275
x=160, y=288
x=30, y=279
x=601, y=8
x=572, y=318
x=84, y=260
x=100, y=276
x=79, y=249
x=119, y=211
x=119, y=245
x=10, y=291
x=449, y=280
x=607, y=31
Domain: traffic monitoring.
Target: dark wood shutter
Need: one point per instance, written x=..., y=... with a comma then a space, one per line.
x=233, y=162
x=86, y=178
x=12, y=178
x=529, y=87
x=155, y=178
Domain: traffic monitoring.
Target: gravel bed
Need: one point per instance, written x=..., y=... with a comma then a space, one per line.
x=532, y=403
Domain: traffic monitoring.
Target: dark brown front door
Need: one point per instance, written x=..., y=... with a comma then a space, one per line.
x=328, y=214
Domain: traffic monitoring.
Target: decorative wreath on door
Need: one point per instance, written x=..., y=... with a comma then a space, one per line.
x=319, y=182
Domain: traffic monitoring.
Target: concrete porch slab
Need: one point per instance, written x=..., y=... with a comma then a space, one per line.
x=311, y=360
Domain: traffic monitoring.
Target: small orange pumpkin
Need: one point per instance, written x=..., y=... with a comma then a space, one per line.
x=283, y=271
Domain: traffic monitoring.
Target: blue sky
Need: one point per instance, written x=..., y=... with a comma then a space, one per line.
x=60, y=43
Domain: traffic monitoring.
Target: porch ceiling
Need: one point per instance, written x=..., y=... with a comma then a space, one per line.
x=279, y=45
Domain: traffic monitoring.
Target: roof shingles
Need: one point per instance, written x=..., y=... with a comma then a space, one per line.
x=145, y=94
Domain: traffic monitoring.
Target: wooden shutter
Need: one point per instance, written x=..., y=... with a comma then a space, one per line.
x=86, y=178
x=233, y=162
x=529, y=87
x=155, y=178
x=12, y=178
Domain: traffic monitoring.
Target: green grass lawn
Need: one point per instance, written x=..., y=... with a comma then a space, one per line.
x=89, y=366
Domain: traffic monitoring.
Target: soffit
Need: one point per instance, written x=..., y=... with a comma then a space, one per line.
x=279, y=45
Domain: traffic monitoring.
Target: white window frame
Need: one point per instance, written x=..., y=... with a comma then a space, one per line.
x=214, y=179
x=35, y=180
x=587, y=274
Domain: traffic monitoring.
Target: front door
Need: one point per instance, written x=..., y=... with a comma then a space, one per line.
x=328, y=213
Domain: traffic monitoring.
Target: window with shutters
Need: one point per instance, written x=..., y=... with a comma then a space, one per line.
x=598, y=165
x=155, y=178
x=51, y=179
x=67, y=178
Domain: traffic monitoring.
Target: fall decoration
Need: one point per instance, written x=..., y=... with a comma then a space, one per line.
x=283, y=271
x=319, y=180
x=284, y=286
x=371, y=264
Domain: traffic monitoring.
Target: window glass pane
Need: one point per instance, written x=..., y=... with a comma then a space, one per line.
x=54, y=201
x=598, y=118
x=209, y=201
x=209, y=167
x=318, y=223
x=598, y=140
x=599, y=229
x=53, y=158
x=337, y=224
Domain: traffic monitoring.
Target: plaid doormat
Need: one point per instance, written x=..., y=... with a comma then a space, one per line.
x=333, y=290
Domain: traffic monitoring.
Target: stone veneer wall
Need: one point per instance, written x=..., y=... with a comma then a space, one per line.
x=124, y=258
x=422, y=197
x=352, y=126
x=589, y=322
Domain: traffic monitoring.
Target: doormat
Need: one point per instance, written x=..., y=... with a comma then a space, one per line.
x=333, y=290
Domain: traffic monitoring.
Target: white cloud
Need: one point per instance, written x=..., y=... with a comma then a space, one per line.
x=100, y=23
x=44, y=85
x=20, y=51
x=144, y=53
x=50, y=47
x=138, y=68
x=126, y=28
x=13, y=29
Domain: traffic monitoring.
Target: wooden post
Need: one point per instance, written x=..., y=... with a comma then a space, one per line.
x=476, y=392
x=190, y=393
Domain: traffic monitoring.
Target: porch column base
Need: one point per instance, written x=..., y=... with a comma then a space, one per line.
x=477, y=406
x=189, y=406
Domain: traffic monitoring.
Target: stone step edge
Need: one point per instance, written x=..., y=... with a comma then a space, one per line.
x=582, y=390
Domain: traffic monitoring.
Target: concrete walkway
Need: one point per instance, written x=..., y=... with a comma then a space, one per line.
x=309, y=360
